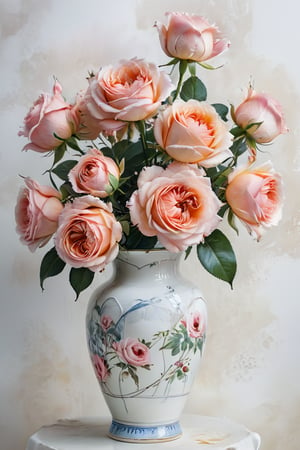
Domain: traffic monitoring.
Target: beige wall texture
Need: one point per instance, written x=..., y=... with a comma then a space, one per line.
x=251, y=367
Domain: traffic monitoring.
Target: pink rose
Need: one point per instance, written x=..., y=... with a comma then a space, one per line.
x=258, y=108
x=132, y=352
x=91, y=174
x=130, y=92
x=175, y=204
x=105, y=322
x=49, y=115
x=100, y=367
x=88, y=233
x=255, y=197
x=36, y=213
x=91, y=127
x=195, y=324
x=193, y=132
x=190, y=37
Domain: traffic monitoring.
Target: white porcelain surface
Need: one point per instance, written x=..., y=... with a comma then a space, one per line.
x=146, y=333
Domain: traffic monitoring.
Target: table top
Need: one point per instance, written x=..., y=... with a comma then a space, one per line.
x=199, y=432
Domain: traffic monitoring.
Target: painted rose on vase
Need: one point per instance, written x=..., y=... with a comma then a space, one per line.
x=116, y=356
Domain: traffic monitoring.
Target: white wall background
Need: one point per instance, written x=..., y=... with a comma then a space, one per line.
x=251, y=368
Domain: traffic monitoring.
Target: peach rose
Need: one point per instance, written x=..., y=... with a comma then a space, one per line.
x=88, y=233
x=36, y=213
x=49, y=115
x=91, y=174
x=258, y=108
x=130, y=92
x=175, y=204
x=190, y=37
x=100, y=367
x=255, y=197
x=91, y=127
x=132, y=352
x=193, y=132
x=195, y=324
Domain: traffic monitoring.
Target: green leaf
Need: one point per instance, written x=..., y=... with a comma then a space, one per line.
x=63, y=169
x=51, y=265
x=113, y=181
x=254, y=124
x=217, y=256
x=125, y=226
x=180, y=374
x=171, y=63
x=192, y=68
x=222, y=110
x=136, y=240
x=193, y=88
x=59, y=153
x=237, y=132
x=208, y=66
x=80, y=279
x=72, y=143
x=231, y=221
x=187, y=252
x=175, y=350
x=66, y=190
x=239, y=146
x=133, y=376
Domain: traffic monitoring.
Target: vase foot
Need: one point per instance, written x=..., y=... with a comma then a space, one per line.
x=141, y=433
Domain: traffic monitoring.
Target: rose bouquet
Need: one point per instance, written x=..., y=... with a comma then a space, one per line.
x=141, y=163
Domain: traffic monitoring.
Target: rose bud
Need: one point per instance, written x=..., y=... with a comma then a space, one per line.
x=91, y=174
x=265, y=113
x=37, y=211
x=255, y=197
x=50, y=115
x=190, y=37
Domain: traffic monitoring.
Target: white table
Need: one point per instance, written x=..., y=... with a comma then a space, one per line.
x=199, y=432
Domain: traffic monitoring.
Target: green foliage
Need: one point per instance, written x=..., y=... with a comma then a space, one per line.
x=222, y=110
x=51, y=265
x=136, y=240
x=193, y=88
x=239, y=147
x=217, y=256
x=62, y=170
x=80, y=279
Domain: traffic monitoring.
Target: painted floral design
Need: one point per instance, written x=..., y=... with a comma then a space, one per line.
x=126, y=358
x=195, y=324
x=100, y=368
x=132, y=352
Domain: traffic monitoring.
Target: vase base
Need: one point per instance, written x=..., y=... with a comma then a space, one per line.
x=144, y=434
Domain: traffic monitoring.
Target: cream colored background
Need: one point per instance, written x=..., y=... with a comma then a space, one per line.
x=251, y=368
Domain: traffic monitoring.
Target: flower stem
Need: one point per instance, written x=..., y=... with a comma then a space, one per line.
x=182, y=69
x=142, y=130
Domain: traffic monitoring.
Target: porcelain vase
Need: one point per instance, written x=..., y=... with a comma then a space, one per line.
x=146, y=331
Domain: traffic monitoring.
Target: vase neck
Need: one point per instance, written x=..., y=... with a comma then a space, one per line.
x=159, y=263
